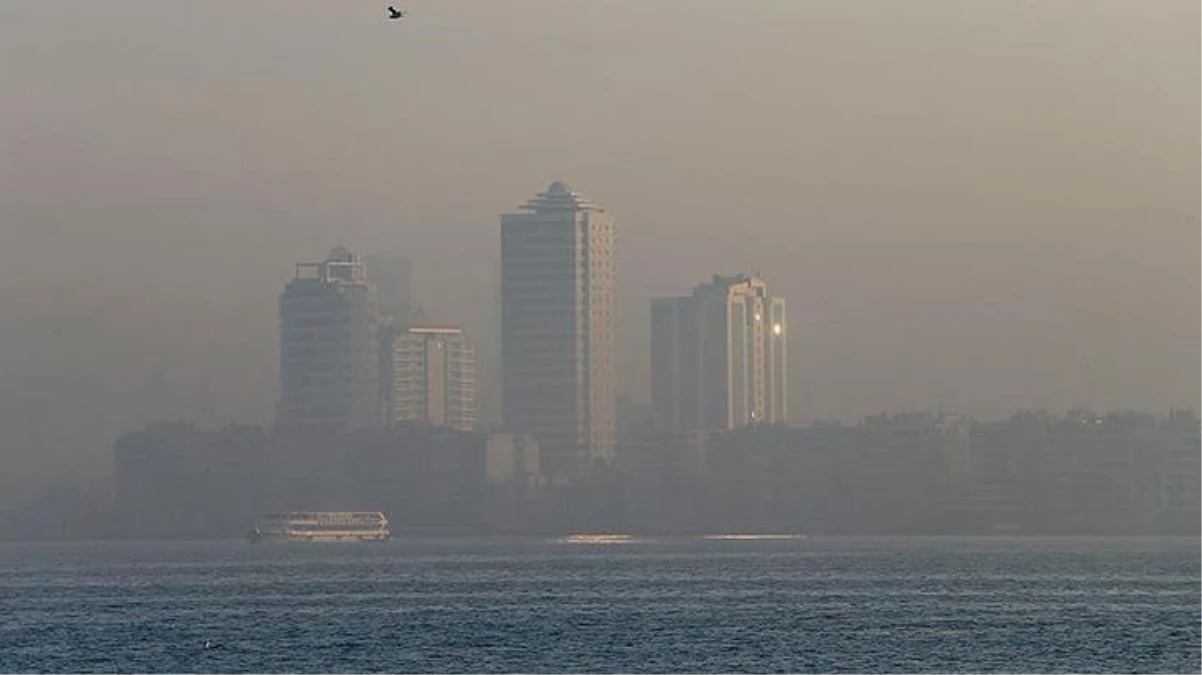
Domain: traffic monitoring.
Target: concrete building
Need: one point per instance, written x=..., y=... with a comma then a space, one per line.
x=1085, y=473
x=557, y=328
x=889, y=475
x=328, y=347
x=433, y=378
x=719, y=357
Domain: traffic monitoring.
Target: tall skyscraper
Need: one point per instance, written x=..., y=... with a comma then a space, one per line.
x=557, y=328
x=434, y=378
x=328, y=349
x=719, y=356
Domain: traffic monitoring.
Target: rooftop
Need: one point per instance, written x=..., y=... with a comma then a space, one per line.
x=559, y=196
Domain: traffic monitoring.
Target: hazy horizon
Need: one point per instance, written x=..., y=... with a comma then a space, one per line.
x=987, y=206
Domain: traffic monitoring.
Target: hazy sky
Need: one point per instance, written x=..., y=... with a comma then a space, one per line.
x=990, y=204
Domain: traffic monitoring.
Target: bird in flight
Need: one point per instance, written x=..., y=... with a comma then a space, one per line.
x=394, y=13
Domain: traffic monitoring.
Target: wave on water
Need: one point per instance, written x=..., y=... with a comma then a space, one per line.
x=597, y=539
x=754, y=537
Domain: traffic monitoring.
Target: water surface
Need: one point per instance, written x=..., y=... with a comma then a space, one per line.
x=637, y=605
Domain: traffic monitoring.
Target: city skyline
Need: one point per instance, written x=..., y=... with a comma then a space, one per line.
x=951, y=218
x=624, y=336
x=727, y=341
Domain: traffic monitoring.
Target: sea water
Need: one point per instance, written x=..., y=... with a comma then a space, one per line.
x=609, y=604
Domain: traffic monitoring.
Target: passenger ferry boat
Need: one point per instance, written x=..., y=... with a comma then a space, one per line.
x=322, y=526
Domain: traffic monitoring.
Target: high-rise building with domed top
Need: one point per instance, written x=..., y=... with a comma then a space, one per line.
x=557, y=328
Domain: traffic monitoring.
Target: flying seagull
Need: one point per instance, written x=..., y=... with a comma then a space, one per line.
x=394, y=13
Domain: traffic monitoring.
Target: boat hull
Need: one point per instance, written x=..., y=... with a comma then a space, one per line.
x=279, y=538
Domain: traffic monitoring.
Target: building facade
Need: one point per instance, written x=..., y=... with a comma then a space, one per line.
x=719, y=357
x=328, y=347
x=434, y=378
x=557, y=328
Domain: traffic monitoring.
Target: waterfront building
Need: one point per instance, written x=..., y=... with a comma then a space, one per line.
x=719, y=357
x=328, y=347
x=557, y=328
